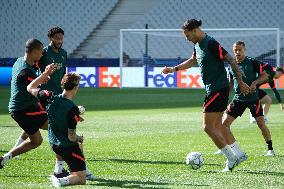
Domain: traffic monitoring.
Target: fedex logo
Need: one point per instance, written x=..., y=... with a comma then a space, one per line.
x=109, y=77
x=189, y=79
x=156, y=79
x=182, y=79
x=98, y=76
x=89, y=76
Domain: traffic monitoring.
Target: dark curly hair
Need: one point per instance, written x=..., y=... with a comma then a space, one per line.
x=70, y=80
x=52, y=31
x=191, y=24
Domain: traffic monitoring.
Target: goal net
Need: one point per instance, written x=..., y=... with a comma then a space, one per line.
x=144, y=53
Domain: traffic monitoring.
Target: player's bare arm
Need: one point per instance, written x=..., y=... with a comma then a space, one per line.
x=43, y=78
x=263, y=77
x=191, y=62
x=72, y=136
x=245, y=89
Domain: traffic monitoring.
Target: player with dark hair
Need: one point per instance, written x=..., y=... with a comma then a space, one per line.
x=23, y=107
x=210, y=56
x=253, y=76
x=63, y=116
x=53, y=54
x=265, y=98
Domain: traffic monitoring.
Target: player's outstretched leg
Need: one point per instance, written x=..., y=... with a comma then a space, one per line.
x=266, y=135
x=211, y=124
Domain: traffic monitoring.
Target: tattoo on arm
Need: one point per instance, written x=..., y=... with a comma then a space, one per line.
x=234, y=66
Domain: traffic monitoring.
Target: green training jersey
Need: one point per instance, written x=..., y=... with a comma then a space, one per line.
x=22, y=75
x=59, y=59
x=62, y=115
x=250, y=69
x=209, y=54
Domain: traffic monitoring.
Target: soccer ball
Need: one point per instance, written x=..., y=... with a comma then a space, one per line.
x=81, y=110
x=194, y=159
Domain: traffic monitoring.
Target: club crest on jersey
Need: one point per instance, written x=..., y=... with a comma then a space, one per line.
x=57, y=66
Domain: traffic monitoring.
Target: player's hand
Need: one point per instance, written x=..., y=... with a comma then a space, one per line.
x=81, y=119
x=49, y=69
x=80, y=138
x=245, y=89
x=167, y=70
x=253, y=87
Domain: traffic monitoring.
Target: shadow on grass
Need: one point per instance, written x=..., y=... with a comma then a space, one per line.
x=138, y=161
x=8, y=126
x=263, y=172
x=138, y=184
x=24, y=176
x=150, y=162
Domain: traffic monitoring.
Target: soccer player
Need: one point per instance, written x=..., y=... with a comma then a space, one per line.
x=23, y=106
x=53, y=54
x=63, y=116
x=253, y=76
x=265, y=98
x=210, y=56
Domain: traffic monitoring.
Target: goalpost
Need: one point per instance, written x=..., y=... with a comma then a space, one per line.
x=144, y=52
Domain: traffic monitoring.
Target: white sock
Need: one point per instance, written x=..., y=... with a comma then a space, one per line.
x=265, y=116
x=59, y=165
x=88, y=172
x=64, y=181
x=6, y=157
x=227, y=150
x=251, y=118
x=236, y=149
x=19, y=141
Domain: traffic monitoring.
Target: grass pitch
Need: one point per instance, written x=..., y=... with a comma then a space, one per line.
x=138, y=138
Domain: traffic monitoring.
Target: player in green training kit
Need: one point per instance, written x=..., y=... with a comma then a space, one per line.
x=253, y=76
x=53, y=54
x=23, y=107
x=63, y=116
x=210, y=56
x=265, y=98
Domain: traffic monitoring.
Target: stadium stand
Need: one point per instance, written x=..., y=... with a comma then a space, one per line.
x=215, y=14
x=22, y=19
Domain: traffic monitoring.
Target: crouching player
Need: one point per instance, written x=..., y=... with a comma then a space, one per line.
x=63, y=116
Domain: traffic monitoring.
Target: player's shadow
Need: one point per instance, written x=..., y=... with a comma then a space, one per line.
x=138, y=161
x=9, y=126
x=24, y=176
x=137, y=184
x=272, y=173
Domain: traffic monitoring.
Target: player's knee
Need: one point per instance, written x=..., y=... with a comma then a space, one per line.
x=36, y=142
x=207, y=128
x=269, y=100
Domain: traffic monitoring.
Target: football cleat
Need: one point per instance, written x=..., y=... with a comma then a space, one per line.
x=55, y=181
x=270, y=153
x=243, y=158
x=91, y=177
x=230, y=165
x=64, y=173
